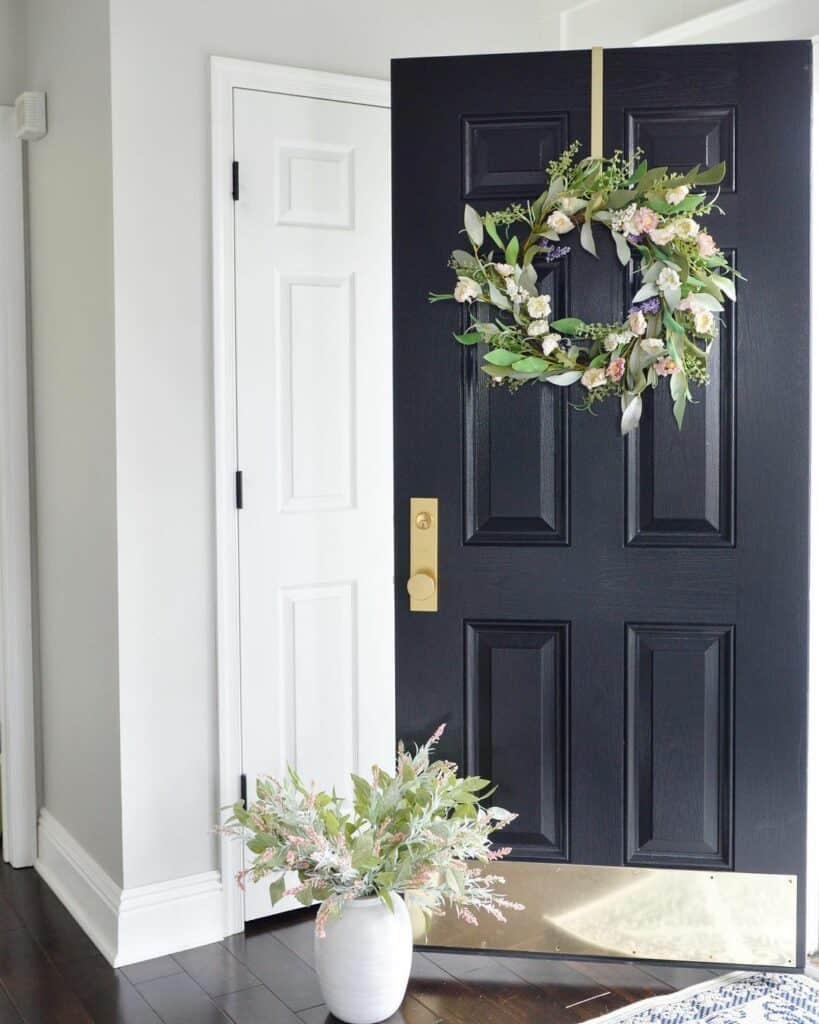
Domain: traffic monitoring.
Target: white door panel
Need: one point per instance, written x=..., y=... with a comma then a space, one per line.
x=314, y=390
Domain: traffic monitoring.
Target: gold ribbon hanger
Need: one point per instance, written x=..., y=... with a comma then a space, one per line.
x=597, y=101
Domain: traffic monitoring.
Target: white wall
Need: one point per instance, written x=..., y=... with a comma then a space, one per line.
x=12, y=20
x=72, y=328
x=613, y=24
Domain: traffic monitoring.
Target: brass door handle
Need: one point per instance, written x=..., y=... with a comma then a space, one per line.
x=422, y=585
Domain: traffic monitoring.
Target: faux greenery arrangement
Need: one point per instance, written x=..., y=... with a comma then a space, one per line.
x=650, y=214
x=421, y=830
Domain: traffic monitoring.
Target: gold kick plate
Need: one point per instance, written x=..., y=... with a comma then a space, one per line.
x=719, y=917
x=422, y=585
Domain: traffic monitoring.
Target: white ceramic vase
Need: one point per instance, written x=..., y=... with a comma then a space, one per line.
x=364, y=960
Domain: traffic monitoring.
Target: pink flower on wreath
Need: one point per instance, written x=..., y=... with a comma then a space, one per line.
x=644, y=220
x=616, y=369
x=666, y=366
x=706, y=244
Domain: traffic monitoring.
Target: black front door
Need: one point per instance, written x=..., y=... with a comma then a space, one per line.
x=620, y=640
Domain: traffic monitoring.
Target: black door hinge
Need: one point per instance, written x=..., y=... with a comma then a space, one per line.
x=243, y=790
x=239, y=490
x=235, y=179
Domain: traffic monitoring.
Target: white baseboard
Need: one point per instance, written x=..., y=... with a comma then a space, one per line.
x=128, y=925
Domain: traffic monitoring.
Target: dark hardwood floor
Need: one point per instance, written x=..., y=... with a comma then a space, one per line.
x=51, y=973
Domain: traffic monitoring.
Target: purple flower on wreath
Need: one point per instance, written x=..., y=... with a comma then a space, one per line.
x=551, y=253
x=651, y=305
x=634, y=239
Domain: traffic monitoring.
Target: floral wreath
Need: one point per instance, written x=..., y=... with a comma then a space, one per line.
x=673, y=319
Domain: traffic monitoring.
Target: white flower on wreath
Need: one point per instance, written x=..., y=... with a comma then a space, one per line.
x=652, y=346
x=594, y=377
x=668, y=279
x=637, y=322
x=539, y=307
x=559, y=222
x=504, y=269
x=676, y=195
x=466, y=290
x=515, y=292
x=686, y=227
x=663, y=235
x=704, y=322
x=550, y=343
x=622, y=220
x=537, y=327
x=615, y=339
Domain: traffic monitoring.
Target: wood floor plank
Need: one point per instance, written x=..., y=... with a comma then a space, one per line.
x=556, y=977
x=216, y=969
x=623, y=979
x=298, y=936
x=679, y=977
x=106, y=993
x=48, y=921
x=9, y=921
x=179, y=1000
x=411, y=1012
x=8, y=1014
x=149, y=970
x=256, y=1006
x=35, y=987
x=284, y=973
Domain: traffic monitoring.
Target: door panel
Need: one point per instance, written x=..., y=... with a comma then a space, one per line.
x=672, y=732
x=315, y=530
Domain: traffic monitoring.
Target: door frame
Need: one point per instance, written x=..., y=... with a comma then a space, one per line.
x=227, y=75
x=17, y=720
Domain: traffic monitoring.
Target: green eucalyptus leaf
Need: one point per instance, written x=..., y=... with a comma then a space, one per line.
x=621, y=245
x=512, y=249
x=491, y=230
x=531, y=364
x=464, y=259
x=305, y=896
x=277, y=890
x=469, y=338
x=671, y=323
x=473, y=225
x=711, y=176
x=648, y=290
x=497, y=298
x=587, y=237
x=726, y=285
x=501, y=357
x=562, y=380
x=568, y=325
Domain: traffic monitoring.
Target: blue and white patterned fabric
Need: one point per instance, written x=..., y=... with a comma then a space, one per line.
x=747, y=999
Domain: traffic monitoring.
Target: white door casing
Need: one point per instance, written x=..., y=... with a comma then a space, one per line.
x=311, y=344
x=17, y=726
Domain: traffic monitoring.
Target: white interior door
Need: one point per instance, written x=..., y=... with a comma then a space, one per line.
x=314, y=401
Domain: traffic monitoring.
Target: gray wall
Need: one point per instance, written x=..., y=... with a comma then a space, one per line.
x=72, y=328
x=12, y=18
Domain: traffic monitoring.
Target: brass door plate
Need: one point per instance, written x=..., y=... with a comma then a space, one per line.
x=422, y=585
x=719, y=917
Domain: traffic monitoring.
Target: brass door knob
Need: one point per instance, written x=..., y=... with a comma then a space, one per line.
x=421, y=587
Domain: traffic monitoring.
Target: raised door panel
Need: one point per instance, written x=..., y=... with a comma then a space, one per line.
x=516, y=452
x=516, y=728
x=504, y=155
x=680, y=485
x=679, y=743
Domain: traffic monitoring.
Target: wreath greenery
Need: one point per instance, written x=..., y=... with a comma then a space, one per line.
x=673, y=319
